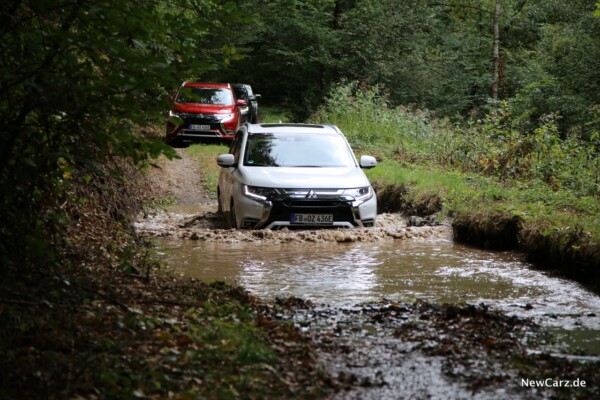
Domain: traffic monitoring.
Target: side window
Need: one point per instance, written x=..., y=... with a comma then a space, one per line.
x=236, y=146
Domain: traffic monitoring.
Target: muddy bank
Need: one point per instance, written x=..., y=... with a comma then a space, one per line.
x=570, y=251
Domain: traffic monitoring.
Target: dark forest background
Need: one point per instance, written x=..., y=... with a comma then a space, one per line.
x=81, y=81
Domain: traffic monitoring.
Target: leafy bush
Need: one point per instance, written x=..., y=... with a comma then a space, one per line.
x=498, y=145
x=77, y=81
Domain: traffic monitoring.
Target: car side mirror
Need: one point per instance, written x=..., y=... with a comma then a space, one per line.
x=240, y=103
x=225, y=160
x=367, y=162
x=257, y=96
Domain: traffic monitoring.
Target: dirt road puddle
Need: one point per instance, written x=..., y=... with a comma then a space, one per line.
x=436, y=270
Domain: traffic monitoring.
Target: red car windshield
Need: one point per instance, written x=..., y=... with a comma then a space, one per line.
x=202, y=95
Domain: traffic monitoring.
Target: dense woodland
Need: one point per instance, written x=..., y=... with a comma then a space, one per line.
x=437, y=55
x=80, y=80
x=493, y=103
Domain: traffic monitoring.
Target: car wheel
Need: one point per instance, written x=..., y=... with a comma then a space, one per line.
x=232, y=218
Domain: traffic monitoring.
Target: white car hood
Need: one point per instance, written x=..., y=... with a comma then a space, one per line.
x=305, y=178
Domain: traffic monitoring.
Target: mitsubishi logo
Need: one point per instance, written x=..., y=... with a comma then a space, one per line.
x=311, y=195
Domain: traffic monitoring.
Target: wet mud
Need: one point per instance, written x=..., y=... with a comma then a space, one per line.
x=203, y=224
x=388, y=350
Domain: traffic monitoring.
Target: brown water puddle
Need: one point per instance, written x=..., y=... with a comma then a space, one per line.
x=436, y=270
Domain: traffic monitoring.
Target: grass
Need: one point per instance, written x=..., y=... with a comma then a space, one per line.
x=206, y=155
x=460, y=193
x=499, y=145
x=273, y=114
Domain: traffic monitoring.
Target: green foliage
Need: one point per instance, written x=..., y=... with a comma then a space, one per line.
x=292, y=52
x=556, y=46
x=272, y=114
x=430, y=55
x=459, y=191
x=76, y=84
x=497, y=145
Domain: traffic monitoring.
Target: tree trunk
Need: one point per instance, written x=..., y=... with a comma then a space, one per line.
x=496, y=52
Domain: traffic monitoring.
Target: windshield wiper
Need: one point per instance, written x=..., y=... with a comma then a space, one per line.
x=260, y=165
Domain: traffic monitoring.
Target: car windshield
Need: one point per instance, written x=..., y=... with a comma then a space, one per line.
x=297, y=150
x=202, y=95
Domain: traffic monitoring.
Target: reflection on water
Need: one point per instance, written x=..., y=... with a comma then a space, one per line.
x=438, y=271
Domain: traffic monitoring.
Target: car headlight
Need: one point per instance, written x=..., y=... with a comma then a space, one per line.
x=360, y=194
x=173, y=114
x=224, y=117
x=258, y=193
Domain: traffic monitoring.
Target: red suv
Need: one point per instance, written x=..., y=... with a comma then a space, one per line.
x=204, y=110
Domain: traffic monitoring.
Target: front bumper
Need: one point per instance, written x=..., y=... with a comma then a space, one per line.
x=276, y=213
x=193, y=126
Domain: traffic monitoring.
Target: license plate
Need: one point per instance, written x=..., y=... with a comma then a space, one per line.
x=195, y=127
x=311, y=218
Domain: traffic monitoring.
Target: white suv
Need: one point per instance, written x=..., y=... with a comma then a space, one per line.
x=294, y=175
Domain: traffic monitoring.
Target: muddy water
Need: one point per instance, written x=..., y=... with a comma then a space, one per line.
x=438, y=270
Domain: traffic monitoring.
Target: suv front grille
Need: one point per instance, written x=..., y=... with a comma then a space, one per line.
x=281, y=211
x=194, y=119
x=314, y=203
x=306, y=191
x=198, y=116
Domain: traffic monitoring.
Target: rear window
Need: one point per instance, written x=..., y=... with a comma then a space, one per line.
x=200, y=95
x=297, y=150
